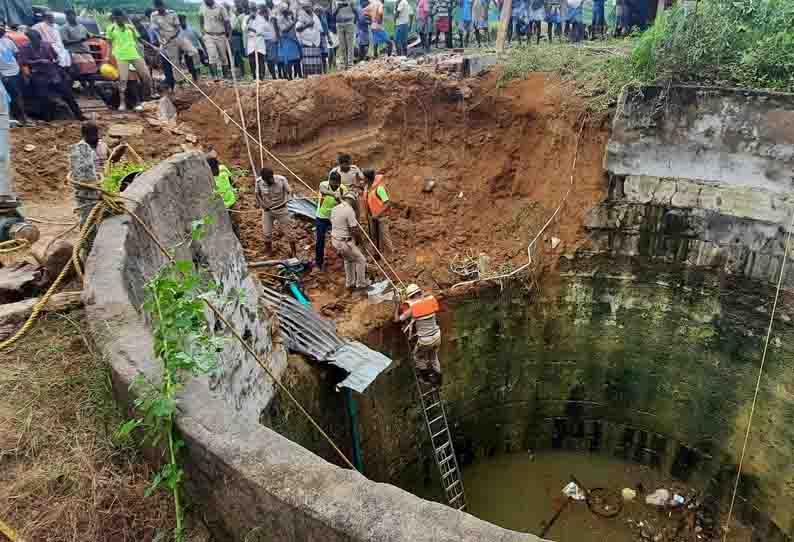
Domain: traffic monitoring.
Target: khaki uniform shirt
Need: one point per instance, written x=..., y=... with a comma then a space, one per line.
x=273, y=197
x=167, y=25
x=214, y=18
x=343, y=221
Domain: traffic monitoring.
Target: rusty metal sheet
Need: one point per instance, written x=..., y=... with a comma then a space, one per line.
x=308, y=333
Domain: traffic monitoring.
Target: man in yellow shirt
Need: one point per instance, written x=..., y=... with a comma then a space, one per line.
x=124, y=47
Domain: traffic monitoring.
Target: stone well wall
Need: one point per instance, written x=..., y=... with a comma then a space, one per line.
x=245, y=477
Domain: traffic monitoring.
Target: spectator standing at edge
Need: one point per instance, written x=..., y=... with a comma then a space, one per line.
x=479, y=13
x=309, y=30
x=599, y=22
x=289, y=49
x=46, y=77
x=424, y=23
x=50, y=34
x=344, y=12
x=74, y=36
x=172, y=43
x=259, y=31
x=326, y=45
x=443, y=12
x=237, y=40
x=192, y=36
x=466, y=20
x=379, y=36
x=12, y=75
x=537, y=14
x=403, y=19
x=363, y=22
x=124, y=42
x=214, y=22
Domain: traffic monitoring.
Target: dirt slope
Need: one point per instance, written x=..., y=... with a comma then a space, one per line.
x=501, y=158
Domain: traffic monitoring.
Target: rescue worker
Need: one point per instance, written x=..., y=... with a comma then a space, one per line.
x=420, y=311
x=224, y=188
x=344, y=234
x=377, y=202
x=331, y=192
x=350, y=173
x=272, y=194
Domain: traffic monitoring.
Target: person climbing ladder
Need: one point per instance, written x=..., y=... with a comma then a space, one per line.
x=420, y=310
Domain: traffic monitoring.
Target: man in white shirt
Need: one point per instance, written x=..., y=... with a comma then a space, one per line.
x=351, y=175
x=404, y=15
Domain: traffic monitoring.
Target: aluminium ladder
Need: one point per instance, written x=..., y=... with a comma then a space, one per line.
x=441, y=442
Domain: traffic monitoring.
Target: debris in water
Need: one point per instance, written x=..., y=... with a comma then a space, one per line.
x=430, y=184
x=573, y=491
x=660, y=497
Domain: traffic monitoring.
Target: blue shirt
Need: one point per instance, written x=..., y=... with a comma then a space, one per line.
x=467, y=10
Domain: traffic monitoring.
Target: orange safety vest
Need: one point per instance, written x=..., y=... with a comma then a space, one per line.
x=374, y=203
x=426, y=306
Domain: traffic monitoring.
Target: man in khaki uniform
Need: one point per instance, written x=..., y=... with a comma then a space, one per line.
x=344, y=232
x=215, y=25
x=172, y=43
x=272, y=194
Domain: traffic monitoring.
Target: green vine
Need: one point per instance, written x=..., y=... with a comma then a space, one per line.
x=185, y=346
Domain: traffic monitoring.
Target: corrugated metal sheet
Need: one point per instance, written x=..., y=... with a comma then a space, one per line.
x=308, y=333
x=303, y=207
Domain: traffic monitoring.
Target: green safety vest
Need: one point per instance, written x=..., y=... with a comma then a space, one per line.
x=223, y=185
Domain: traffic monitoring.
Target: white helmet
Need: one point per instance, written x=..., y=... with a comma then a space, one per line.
x=412, y=290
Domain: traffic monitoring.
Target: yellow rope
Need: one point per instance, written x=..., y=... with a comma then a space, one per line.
x=10, y=533
x=89, y=223
x=14, y=245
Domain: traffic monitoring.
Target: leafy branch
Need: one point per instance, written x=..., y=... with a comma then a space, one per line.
x=185, y=346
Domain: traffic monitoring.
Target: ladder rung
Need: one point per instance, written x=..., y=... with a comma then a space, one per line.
x=447, y=459
x=440, y=432
x=443, y=447
x=433, y=405
x=426, y=393
x=450, y=471
x=438, y=419
x=453, y=484
x=456, y=497
x=462, y=507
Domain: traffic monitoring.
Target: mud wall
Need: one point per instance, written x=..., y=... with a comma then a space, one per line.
x=726, y=136
x=246, y=478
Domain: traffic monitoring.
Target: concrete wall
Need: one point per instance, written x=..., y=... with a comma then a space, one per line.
x=245, y=477
x=726, y=136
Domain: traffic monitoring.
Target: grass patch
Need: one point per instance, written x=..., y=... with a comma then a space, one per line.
x=63, y=474
x=598, y=69
x=746, y=43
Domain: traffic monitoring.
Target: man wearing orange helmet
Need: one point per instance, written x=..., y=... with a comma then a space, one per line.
x=420, y=311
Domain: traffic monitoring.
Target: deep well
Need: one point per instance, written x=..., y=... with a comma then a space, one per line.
x=645, y=343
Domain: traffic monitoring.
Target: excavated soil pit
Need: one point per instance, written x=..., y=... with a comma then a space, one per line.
x=501, y=159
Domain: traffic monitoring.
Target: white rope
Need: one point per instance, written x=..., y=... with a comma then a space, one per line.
x=240, y=106
x=258, y=114
x=758, y=381
x=546, y=225
x=227, y=116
